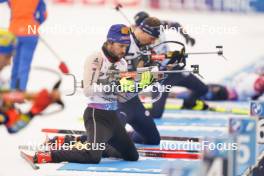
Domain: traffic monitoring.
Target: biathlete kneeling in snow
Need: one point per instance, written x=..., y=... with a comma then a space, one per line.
x=197, y=87
x=10, y=116
x=106, y=135
x=133, y=112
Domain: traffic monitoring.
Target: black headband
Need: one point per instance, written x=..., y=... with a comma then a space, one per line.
x=153, y=31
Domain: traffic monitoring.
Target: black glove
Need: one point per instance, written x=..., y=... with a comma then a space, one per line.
x=145, y=56
x=189, y=40
x=177, y=57
x=146, y=61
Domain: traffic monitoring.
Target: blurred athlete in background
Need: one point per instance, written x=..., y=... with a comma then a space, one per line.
x=26, y=17
x=10, y=116
x=242, y=87
x=191, y=82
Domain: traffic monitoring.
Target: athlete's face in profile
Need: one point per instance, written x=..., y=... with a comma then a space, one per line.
x=4, y=60
x=118, y=49
x=147, y=39
x=144, y=38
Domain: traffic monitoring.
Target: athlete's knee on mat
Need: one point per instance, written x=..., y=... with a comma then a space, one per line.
x=111, y=152
x=94, y=158
x=131, y=156
x=58, y=156
x=80, y=157
x=149, y=139
x=154, y=140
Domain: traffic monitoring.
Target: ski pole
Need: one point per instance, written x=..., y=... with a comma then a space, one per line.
x=62, y=66
x=118, y=8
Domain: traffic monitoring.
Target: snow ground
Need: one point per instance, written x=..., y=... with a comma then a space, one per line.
x=241, y=48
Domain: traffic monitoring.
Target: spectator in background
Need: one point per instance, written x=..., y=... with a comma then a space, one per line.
x=25, y=14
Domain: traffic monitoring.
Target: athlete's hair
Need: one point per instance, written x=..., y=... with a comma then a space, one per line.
x=152, y=22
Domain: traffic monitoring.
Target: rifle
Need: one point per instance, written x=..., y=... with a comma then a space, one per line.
x=115, y=75
x=148, y=54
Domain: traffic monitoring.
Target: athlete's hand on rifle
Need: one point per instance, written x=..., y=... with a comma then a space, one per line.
x=145, y=58
x=176, y=57
x=146, y=79
x=127, y=84
x=174, y=54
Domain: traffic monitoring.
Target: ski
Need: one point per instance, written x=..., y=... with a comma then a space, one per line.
x=167, y=154
x=236, y=111
x=80, y=132
x=29, y=159
x=144, y=152
x=63, y=131
x=180, y=138
x=156, y=149
x=166, y=150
